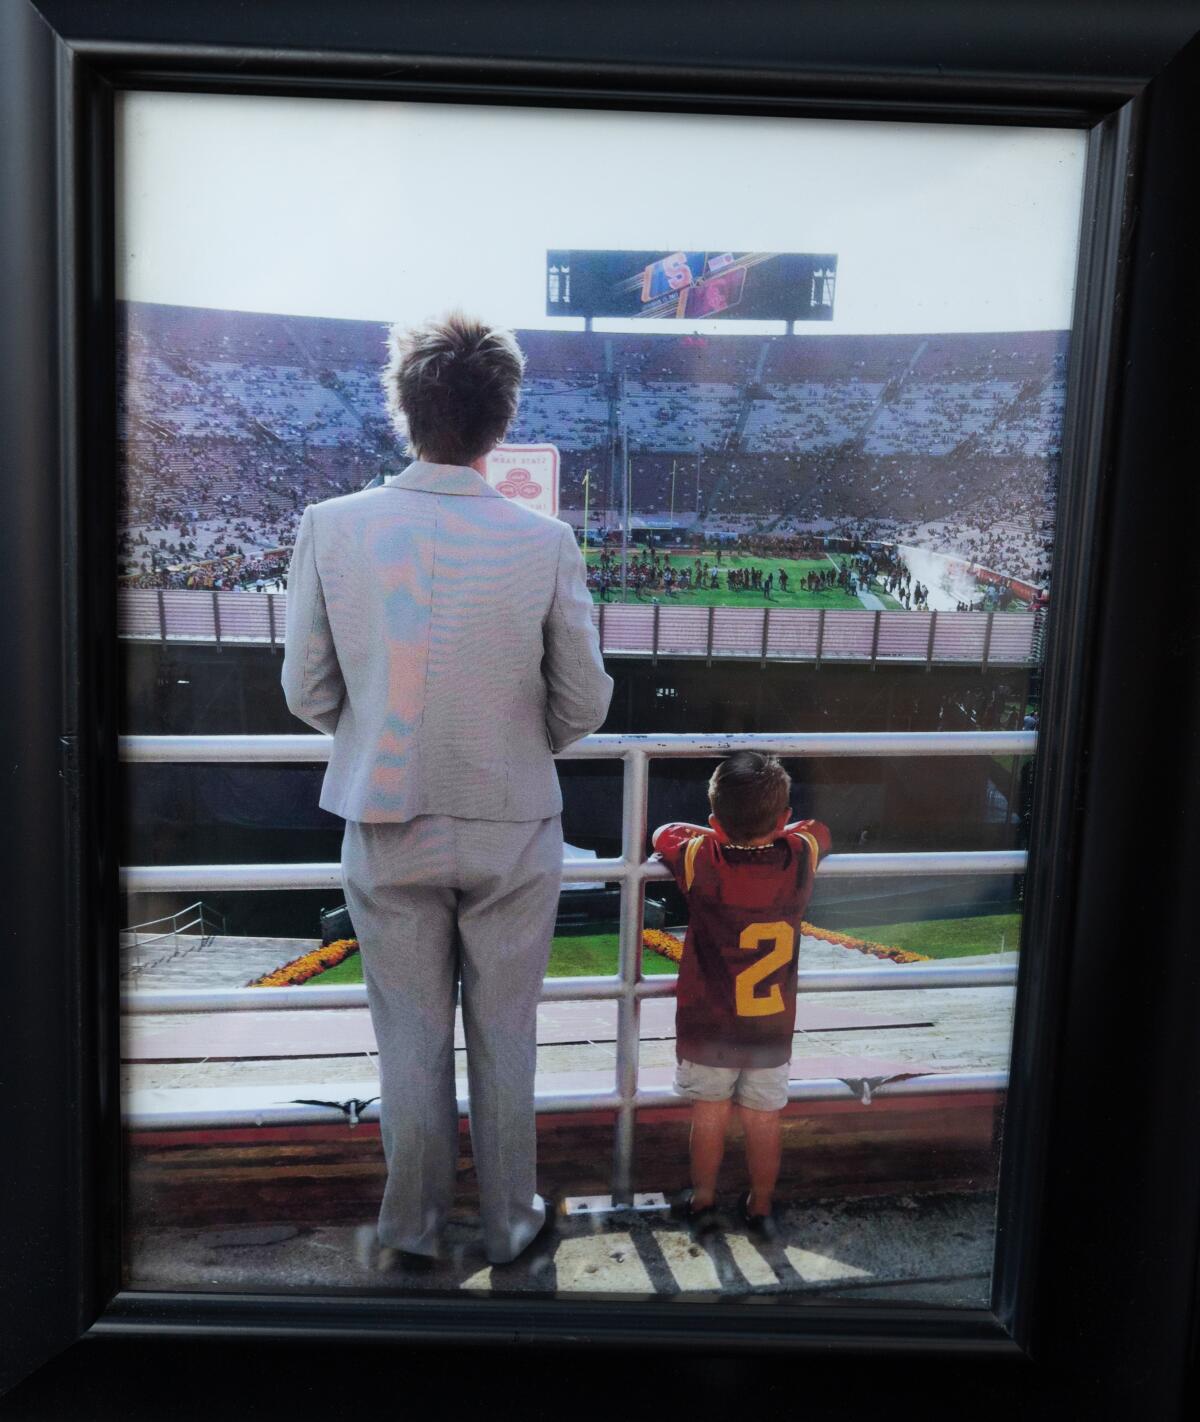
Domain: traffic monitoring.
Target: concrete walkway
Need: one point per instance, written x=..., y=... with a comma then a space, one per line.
x=220, y=961
x=934, y=1248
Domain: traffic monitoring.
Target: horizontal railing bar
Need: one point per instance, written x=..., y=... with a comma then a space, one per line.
x=310, y=996
x=310, y=749
x=838, y=1089
x=898, y=977
x=905, y=977
x=166, y=918
x=748, y=655
x=552, y=1103
x=955, y=861
x=297, y=998
x=209, y=878
x=157, y=937
x=163, y=878
x=286, y=1114
x=584, y=989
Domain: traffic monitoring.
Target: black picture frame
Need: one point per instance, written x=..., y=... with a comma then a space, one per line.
x=1096, y=1266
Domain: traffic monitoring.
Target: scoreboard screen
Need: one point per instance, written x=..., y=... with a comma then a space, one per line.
x=754, y=286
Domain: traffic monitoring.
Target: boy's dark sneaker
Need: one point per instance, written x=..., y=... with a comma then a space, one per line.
x=700, y=1219
x=762, y=1227
x=416, y=1263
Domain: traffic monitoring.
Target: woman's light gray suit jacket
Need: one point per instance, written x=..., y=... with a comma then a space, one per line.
x=442, y=634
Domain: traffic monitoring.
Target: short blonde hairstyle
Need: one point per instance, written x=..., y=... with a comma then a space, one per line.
x=452, y=386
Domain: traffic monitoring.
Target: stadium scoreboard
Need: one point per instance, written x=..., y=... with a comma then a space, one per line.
x=751, y=286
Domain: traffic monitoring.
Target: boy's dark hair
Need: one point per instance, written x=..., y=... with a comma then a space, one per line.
x=748, y=792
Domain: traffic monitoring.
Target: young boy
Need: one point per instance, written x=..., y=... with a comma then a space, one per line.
x=747, y=879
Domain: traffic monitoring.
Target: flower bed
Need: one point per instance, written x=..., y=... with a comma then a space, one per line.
x=864, y=945
x=654, y=940
x=668, y=946
x=308, y=965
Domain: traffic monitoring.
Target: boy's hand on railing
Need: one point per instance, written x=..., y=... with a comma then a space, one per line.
x=678, y=825
x=813, y=830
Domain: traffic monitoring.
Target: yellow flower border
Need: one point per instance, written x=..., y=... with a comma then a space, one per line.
x=308, y=965
x=864, y=945
x=656, y=940
x=668, y=946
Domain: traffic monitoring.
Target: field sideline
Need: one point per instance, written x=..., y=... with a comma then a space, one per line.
x=797, y=596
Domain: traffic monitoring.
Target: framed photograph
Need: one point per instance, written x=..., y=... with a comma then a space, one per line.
x=870, y=490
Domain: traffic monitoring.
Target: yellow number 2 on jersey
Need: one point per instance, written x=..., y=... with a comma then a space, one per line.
x=753, y=936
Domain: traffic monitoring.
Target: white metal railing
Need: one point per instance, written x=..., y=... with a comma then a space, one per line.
x=648, y=629
x=626, y=987
x=172, y=934
x=201, y=917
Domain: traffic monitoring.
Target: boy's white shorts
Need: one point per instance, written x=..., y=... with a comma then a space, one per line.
x=759, y=1088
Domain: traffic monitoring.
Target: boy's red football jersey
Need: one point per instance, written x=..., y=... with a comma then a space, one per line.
x=736, y=1001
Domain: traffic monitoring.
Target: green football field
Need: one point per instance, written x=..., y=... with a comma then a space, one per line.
x=948, y=937
x=796, y=596
x=571, y=956
x=584, y=955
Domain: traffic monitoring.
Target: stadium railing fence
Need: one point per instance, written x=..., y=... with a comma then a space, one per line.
x=631, y=871
x=649, y=630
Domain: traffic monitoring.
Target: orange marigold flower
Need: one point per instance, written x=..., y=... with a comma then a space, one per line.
x=308, y=965
x=666, y=945
x=863, y=945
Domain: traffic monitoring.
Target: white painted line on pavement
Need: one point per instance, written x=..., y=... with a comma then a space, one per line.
x=691, y=1266
x=601, y=1263
x=755, y=1269
x=820, y=1268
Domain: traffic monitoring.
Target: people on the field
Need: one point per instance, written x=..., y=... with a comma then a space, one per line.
x=747, y=877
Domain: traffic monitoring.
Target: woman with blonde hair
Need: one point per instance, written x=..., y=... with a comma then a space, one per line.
x=442, y=635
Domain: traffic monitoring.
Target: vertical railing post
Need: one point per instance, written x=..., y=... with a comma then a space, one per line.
x=712, y=614
x=162, y=616
x=1038, y=638
x=600, y=628
x=217, y=619
x=654, y=641
x=987, y=640
x=820, y=636
x=766, y=632
x=875, y=640
x=932, y=635
x=634, y=810
x=271, y=617
x=1014, y=785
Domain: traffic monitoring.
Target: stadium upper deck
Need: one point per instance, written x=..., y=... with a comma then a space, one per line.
x=232, y=422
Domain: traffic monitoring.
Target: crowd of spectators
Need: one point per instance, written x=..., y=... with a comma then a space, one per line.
x=809, y=416
x=231, y=423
